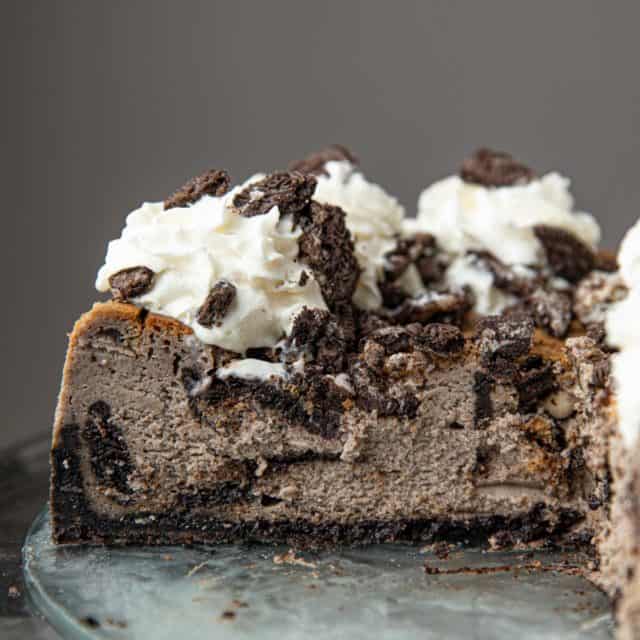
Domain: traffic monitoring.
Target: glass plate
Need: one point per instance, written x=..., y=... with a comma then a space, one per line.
x=258, y=591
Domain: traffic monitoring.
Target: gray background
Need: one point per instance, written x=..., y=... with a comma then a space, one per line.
x=108, y=103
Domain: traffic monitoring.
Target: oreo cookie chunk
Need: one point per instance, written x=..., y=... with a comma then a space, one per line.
x=314, y=163
x=319, y=339
x=419, y=250
x=214, y=182
x=567, y=255
x=448, y=307
x=504, y=277
x=551, y=310
x=443, y=339
x=289, y=191
x=131, y=283
x=502, y=340
x=217, y=304
x=494, y=169
x=327, y=248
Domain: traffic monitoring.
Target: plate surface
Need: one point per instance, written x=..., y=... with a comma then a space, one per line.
x=250, y=592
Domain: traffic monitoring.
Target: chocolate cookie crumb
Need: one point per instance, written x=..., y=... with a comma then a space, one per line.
x=289, y=191
x=90, y=622
x=327, y=249
x=535, y=382
x=596, y=332
x=317, y=334
x=606, y=261
x=567, y=255
x=393, y=339
x=433, y=306
x=482, y=384
x=315, y=163
x=368, y=322
x=441, y=338
x=214, y=182
x=131, y=283
x=551, y=310
x=420, y=250
x=228, y=615
x=217, y=303
x=374, y=355
x=503, y=339
x=504, y=278
x=494, y=169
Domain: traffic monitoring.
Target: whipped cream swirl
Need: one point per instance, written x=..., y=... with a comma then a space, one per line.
x=469, y=217
x=192, y=248
x=623, y=332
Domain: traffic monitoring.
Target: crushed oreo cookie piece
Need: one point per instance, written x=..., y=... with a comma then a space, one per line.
x=315, y=163
x=131, y=283
x=601, y=371
x=289, y=191
x=535, y=382
x=374, y=354
x=327, y=249
x=214, y=182
x=217, y=303
x=606, y=261
x=567, y=255
x=501, y=340
x=317, y=336
x=482, y=385
x=431, y=267
x=393, y=295
x=392, y=339
x=419, y=250
x=595, y=294
x=551, y=310
x=414, y=250
x=398, y=260
x=443, y=339
x=494, y=169
x=373, y=393
x=433, y=306
x=597, y=332
x=367, y=322
x=504, y=277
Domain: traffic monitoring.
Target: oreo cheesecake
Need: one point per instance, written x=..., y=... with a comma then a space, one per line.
x=295, y=360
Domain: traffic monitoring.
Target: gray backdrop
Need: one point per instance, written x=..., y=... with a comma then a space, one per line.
x=108, y=103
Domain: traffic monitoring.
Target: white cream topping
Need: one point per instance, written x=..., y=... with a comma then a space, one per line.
x=465, y=217
x=374, y=218
x=623, y=332
x=251, y=369
x=465, y=271
x=192, y=248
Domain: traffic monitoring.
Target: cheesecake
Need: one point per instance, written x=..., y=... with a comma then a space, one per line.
x=295, y=360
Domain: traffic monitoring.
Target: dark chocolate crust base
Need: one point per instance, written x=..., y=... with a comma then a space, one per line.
x=77, y=522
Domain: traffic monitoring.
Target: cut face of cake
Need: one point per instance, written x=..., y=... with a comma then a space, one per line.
x=293, y=360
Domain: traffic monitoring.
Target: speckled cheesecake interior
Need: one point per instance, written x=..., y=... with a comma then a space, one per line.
x=429, y=432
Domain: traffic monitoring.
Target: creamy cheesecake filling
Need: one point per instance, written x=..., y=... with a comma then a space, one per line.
x=466, y=217
x=190, y=249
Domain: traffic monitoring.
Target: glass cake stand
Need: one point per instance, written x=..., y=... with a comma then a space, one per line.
x=257, y=591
